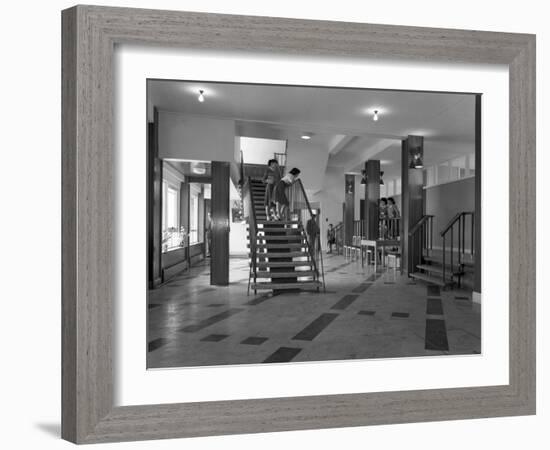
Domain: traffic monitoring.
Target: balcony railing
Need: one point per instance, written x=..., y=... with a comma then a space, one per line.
x=388, y=228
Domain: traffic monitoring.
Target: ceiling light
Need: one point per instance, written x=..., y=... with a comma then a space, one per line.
x=306, y=136
x=201, y=96
x=198, y=168
x=375, y=115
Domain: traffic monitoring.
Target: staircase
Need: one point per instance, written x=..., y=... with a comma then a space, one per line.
x=454, y=263
x=431, y=270
x=280, y=255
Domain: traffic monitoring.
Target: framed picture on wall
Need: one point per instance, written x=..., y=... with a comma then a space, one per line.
x=313, y=210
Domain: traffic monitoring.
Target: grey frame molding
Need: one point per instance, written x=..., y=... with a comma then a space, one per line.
x=89, y=36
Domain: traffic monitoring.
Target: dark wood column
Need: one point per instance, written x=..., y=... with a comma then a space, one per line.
x=412, y=198
x=372, y=196
x=477, y=200
x=349, y=205
x=154, y=206
x=219, y=261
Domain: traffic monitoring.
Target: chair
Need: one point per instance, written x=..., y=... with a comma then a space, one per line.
x=368, y=245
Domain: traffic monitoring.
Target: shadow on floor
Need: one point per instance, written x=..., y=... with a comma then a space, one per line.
x=53, y=429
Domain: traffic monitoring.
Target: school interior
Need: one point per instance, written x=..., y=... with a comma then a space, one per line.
x=378, y=254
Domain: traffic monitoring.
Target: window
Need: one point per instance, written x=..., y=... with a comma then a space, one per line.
x=171, y=233
x=430, y=176
x=194, y=218
x=472, y=164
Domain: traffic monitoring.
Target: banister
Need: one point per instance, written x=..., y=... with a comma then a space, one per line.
x=311, y=247
x=455, y=218
x=418, y=224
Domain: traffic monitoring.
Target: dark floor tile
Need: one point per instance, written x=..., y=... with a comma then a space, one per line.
x=214, y=337
x=254, y=340
x=215, y=305
x=436, y=335
x=433, y=291
x=434, y=306
x=400, y=315
x=389, y=282
x=156, y=343
x=258, y=300
x=344, y=302
x=211, y=320
x=283, y=354
x=314, y=328
x=366, y=313
x=153, y=305
x=362, y=287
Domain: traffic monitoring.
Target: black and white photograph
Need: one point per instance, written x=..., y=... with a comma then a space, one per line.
x=292, y=224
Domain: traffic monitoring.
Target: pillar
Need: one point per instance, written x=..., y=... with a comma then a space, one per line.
x=154, y=206
x=372, y=196
x=349, y=205
x=219, y=261
x=477, y=200
x=412, y=208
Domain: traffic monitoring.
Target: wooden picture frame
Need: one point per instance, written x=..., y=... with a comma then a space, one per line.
x=89, y=36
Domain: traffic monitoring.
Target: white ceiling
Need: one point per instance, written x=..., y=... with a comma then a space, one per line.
x=340, y=119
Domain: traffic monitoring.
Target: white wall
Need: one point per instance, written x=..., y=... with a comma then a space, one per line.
x=193, y=137
x=260, y=150
x=311, y=158
x=31, y=371
x=330, y=199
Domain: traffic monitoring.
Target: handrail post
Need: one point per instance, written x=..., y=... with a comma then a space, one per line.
x=444, y=263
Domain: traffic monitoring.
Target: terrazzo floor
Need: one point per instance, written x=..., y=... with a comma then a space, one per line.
x=361, y=315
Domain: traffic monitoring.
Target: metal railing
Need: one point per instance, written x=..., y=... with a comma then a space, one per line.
x=250, y=213
x=420, y=241
x=388, y=228
x=458, y=223
x=300, y=210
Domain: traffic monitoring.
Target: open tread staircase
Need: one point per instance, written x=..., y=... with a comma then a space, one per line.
x=282, y=258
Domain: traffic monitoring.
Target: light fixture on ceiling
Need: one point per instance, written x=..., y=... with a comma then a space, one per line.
x=201, y=96
x=306, y=136
x=375, y=115
x=198, y=168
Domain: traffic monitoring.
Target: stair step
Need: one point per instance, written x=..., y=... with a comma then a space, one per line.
x=281, y=255
x=429, y=279
x=467, y=262
x=287, y=237
x=297, y=273
x=292, y=245
x=263, y=265
x=278, y=230
x=436, y=269
x=277, y=222
x=294, y=285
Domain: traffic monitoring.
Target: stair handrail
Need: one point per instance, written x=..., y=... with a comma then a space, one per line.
x=460, y=219
x=252, y=229
x=312, y=247
x=418, y=224
x=420, y=239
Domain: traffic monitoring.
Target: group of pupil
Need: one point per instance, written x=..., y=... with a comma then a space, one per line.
x=276, y=200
